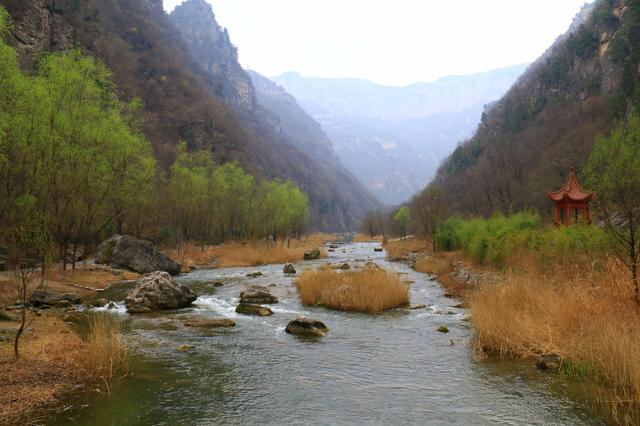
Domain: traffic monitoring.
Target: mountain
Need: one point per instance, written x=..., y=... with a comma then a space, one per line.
x=192, y=89
x=551, y=117
x=394, y=138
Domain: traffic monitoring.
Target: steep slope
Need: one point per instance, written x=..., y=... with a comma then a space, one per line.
x=394, y=138
x=338, y=196
x=150, y=61
x=307, y=135
x=550, y=119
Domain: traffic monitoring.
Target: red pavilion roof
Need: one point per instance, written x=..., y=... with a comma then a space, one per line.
x=571, y=190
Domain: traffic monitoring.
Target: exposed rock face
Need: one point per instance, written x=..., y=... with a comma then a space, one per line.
x=156, y=292
x=307, y=327
x=312, y=255
x=257, y=295
x=123, y=251
x=211, y=48
x=249, y=309
x=45, y=297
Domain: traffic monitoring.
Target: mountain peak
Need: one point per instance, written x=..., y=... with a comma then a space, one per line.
x=212, y=50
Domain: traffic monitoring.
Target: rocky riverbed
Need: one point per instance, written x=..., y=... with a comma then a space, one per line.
x=396, y=367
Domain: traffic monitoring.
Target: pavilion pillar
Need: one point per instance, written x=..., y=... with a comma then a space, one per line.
x=568, y=216
x=557, y=216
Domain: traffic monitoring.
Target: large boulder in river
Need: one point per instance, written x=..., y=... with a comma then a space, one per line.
x=250, y=309
x=125, y=252
x=312, y=255
x=307, y=327
x=156, y=292
x=50, y=298
x=289, y=269
x=257, y=295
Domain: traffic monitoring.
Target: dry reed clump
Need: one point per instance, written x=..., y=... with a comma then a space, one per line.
x=401, y=248
x=591, y=320
x=369, y=290
x=53, y=359
x=103, y=354
x=239, y=254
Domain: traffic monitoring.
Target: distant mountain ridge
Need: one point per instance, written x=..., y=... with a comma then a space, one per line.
x=393, y=139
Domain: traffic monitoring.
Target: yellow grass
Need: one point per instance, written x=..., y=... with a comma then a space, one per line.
x=369, y=290
x=236, y=254
x=589, y=318
x=363, y=238
x=53, y=359
x=401, y=248
x=103, y=354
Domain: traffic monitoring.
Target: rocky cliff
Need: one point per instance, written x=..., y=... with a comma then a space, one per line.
x=550, y=119
x=211, y=48
x=206, y=101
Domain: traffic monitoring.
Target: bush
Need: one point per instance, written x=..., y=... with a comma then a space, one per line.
x=502, y=238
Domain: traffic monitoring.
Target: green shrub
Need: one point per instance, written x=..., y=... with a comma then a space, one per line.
x=497, y=240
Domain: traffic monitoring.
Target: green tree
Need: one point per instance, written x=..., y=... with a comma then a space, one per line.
x=401, y=220
x=613, y=171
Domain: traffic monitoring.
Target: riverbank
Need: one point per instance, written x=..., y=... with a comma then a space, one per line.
x=54, y=361
x=247, y=253
x=585, y=313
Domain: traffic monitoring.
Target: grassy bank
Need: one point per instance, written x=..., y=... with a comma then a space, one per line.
x=370, y=290
x=54, y=359
x=559, y=292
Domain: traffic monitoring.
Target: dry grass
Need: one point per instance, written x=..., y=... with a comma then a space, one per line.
x=236, y=254
x=369, y=290
x=589, y=318
x=363, y=238
x=401, y=248
x=53, y=360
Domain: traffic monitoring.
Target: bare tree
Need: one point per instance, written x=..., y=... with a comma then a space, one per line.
x=428, y=207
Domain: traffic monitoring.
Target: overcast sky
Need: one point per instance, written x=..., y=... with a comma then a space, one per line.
x=390, y=42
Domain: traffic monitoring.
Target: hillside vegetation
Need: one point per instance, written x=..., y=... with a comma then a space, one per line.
x=180, y=102
x=550, y=118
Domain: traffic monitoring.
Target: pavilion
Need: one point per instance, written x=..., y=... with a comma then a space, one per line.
x=571, y=197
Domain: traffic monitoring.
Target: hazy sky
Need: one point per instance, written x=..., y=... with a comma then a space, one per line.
x=391, y=42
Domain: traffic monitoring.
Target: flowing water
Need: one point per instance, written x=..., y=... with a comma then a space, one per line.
x=392, y=368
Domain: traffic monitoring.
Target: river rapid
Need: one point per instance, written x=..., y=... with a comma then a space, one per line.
x=392, y=368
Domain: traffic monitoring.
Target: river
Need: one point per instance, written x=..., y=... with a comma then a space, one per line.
x=392, y=368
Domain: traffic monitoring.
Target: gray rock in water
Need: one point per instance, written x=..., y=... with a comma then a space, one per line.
x=443, y=329
x=98, y=303
x=158, y=291
x=307, y=327
x=257, y=295
x=249, y=309
x=209, y=323
x=46, y=297
x=549, y=362
x=312, y=255
x=289, y=269
x=123, y=251
x=378, y=249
